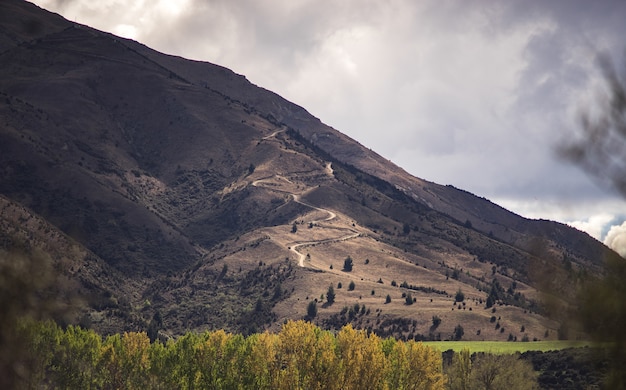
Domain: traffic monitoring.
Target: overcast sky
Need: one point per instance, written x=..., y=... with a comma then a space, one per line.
x=473, y=93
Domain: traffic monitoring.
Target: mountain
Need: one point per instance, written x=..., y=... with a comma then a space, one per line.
x=175, y=195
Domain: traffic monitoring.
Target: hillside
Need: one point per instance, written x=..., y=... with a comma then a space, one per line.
x=176, y=195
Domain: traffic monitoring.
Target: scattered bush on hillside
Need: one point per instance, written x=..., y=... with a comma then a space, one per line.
x=459, y=297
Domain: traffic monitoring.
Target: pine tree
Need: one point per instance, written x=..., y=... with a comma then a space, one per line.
x=330, y=295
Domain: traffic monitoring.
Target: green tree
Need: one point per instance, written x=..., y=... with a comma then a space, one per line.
x=459, y=297
x=330, y=295
x=406, y=228
x=459, y=372
x=351, y=286
x=311, y=310
x=347, y=264
x=436, y=321
x=493, y=372
x=458, y=332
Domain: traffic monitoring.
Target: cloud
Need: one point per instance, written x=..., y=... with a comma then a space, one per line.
x=472, y=93
x=616, y=239
x=595, y=225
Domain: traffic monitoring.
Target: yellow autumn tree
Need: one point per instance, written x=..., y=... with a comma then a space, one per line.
x=412, y=366
x=296, y=353
x=362, y=358
x=218, y=358
x=125, y=360
x=261, y=362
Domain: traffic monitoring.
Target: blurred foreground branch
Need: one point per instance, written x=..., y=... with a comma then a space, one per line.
x=601, y=152
x=601, y=148
x=27, y=291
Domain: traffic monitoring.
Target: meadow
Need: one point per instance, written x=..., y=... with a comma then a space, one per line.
x=506, y=347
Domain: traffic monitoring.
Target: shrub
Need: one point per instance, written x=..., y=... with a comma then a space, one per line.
x=459, y=297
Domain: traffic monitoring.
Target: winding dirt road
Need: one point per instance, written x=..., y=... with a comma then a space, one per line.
x=293, y=247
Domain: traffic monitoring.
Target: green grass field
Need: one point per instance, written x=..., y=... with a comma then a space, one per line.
x=503, y=347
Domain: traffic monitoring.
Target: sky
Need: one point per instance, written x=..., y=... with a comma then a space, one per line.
x=479, y=94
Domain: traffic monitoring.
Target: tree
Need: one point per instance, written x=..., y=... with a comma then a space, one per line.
x=408, y=299
x=311, y=310
x=351, y=286
x=459, y=297
x=294, y=228
x=491, y=372
x=413, y=366
x=388, y=299
x=347, y=264
x=458, y=332
x=436, y=321
x=362, y=357
x=330, y=295
x=153, y=327
x=459, y=372
x=406, y=229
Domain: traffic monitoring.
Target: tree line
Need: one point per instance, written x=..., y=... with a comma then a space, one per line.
x=300, y=356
